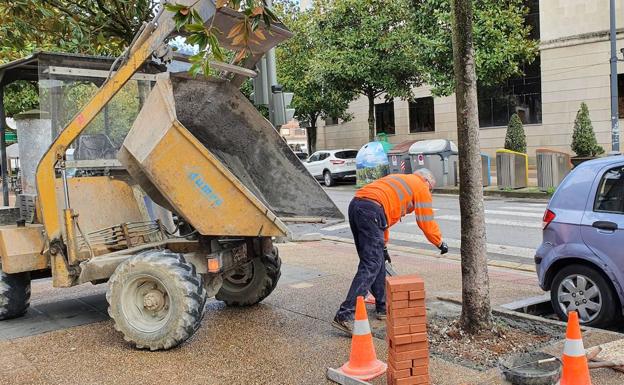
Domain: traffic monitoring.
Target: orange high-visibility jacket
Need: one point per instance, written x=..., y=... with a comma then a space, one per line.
x=401, y=194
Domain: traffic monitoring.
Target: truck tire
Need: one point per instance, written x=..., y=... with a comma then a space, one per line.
x=586, y=290
x=156, y=299
x=14, y=294
x=253, y=282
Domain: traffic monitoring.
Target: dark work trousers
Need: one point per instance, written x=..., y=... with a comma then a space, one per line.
x=368, y=221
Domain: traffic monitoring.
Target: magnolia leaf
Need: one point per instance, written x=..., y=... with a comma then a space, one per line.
x=240, y=56
x=259, y=34
x=239, y=40
x=257, y=11
x=238, y=28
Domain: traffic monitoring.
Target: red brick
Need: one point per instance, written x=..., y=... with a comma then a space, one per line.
x=392, y=322
x=413, y=346
x=418, y=328
x=399, y=340
x=412, y=354
x=416, y=303
x=418, y=337
x=399, y=373
x=420, y=371
x=399, y=296
x=407, y=364
x=407, y=286
x=405, y=283
x=417, y=294
x=397, y=330
x=397, y=305
x=417, y=380
x=424, y=361
x=408, y=312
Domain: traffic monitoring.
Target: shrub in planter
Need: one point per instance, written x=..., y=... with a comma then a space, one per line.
x=515, y=140
x=584, y=142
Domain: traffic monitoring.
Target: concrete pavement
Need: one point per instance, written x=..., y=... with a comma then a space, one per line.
x=285, y=340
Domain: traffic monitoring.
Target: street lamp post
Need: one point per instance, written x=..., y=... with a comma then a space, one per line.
x=615, y=128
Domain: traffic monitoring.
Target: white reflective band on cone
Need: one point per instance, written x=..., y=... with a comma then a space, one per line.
x=574, y=348
x=361, y=328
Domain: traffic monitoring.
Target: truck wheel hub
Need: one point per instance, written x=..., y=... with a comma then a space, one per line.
x=154, y=300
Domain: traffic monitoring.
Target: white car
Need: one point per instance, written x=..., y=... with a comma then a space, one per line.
x=332, y=165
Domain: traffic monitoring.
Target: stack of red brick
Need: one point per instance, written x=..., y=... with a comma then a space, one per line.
x=406, y=331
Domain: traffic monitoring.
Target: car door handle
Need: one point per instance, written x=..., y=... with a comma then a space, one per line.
x=605, y=225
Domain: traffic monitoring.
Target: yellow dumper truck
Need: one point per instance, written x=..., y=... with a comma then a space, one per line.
x=201, y=151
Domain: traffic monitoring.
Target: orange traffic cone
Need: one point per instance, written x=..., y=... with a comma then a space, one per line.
x=363, y=363
x=575, y=369
x=369, y=299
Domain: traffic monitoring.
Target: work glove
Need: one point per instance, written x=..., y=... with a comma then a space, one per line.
x=387, y=255
x=443, y=248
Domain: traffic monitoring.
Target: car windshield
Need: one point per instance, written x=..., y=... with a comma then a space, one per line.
x=349, y=154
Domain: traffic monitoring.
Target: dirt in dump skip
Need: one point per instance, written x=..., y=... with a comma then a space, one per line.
x=231, y=128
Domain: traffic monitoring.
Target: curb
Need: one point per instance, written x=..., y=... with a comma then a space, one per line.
x=453, y=257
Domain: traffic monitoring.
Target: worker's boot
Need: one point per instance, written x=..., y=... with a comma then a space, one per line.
x=344, y=326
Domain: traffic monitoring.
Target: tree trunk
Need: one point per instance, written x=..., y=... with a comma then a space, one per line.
x=476, y=311
x=371, y=116
x=311, y=137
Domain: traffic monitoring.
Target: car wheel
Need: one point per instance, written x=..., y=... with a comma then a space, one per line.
x=584, y=290
x=328, y=179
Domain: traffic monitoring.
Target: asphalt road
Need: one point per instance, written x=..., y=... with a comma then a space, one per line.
x=513, y=225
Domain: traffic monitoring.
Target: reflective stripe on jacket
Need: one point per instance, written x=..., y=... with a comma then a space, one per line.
x=402, y=194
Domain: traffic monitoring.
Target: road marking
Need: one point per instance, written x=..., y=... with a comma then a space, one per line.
x=522, y=252
x=522, y=208
x=515, y=213
x=339, y=226
x=493, y=221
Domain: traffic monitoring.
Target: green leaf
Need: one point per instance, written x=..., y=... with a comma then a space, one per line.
x=174, y=7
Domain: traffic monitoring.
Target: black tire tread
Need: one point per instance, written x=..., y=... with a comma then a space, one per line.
x=265, y=285
x=14, y=294
x=331, y=179
x=183, y=275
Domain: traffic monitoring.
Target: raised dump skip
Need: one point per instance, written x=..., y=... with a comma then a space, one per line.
x=230, y=127
x=197, y=142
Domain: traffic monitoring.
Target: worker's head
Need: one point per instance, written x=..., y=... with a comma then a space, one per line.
x=427, y=176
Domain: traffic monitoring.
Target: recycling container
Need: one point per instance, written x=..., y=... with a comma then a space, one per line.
x=552, y=167
x=371, y=163
x=437, y=155
x=512, y=169
x=485, y=170
x=399, y=159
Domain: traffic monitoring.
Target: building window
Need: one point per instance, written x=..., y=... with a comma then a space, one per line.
x=384, y=118
x=331, y=121
x=421, y=116
x=621, y=95
x=521, y=95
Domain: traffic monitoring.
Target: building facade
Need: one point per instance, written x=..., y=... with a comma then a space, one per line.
x=572, y=67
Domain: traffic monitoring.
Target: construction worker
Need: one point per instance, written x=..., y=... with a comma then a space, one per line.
x=374, y=209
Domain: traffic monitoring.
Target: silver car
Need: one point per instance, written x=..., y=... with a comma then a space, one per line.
x=581, y=258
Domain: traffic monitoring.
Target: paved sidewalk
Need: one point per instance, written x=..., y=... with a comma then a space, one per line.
x=285, y=340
